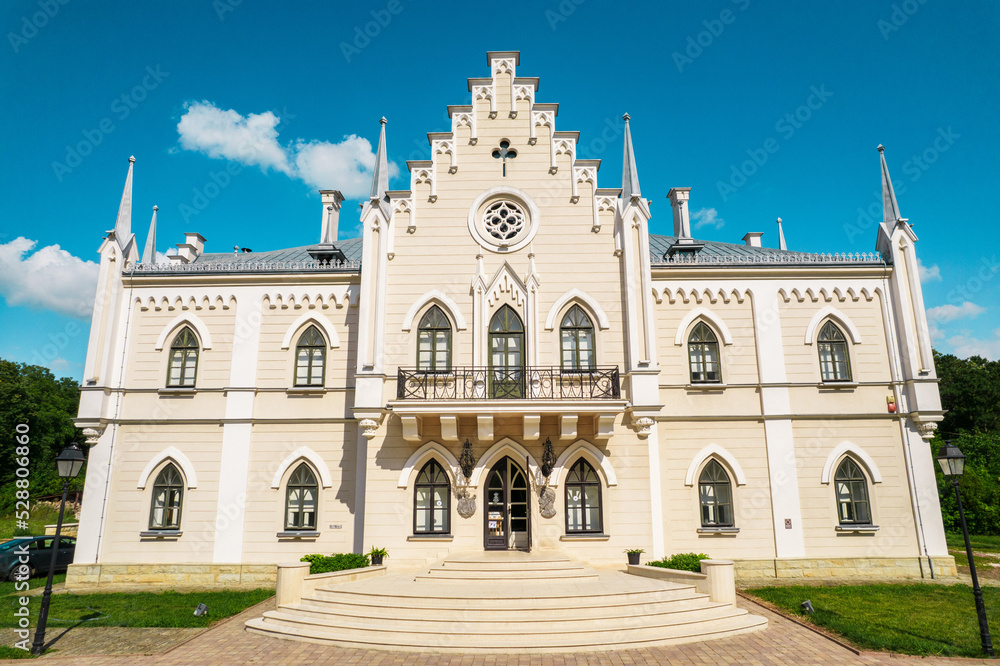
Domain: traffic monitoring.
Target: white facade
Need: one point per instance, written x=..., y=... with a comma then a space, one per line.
x=659, y=361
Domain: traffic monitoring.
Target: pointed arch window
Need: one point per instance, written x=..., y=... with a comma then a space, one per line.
x=716, y=495
x=506, y=340
x=583, y=499
x=432, y=501
x=310, y=358
x=183, y=364
x=703, y=355
x=434, y=341
x=577, y=340
x=834, y=362
x=853, y=506
x=301, y=497
x=168, y=494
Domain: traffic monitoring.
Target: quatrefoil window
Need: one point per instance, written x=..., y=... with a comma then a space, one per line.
x=504, y=220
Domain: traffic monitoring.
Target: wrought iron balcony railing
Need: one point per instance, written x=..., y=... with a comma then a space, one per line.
x=539, y=383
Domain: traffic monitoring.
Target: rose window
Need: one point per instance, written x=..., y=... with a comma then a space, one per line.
x=504, y=220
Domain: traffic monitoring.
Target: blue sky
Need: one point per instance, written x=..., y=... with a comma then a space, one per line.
x=289, y=94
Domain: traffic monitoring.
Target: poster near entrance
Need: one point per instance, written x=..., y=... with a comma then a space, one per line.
x=507, y=509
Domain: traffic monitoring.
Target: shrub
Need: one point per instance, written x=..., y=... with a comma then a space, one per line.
x=681, y=561
x=339, y=562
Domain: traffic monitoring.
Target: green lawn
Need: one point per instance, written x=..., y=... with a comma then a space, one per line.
x=139, y=609
x=7, y=587
x=913, y=619
x=41, y=515
x=984, y=544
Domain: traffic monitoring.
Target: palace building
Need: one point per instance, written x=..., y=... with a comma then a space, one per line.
x=508, y=359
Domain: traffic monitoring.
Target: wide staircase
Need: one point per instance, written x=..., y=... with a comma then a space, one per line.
x=506, y=602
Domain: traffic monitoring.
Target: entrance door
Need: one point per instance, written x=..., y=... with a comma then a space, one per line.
x=507, y=509
x=506, y=354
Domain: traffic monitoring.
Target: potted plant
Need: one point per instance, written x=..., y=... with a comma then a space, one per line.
x=633, y=554
x=377, y=555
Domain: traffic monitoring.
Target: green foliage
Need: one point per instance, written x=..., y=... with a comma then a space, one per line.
x=42, y=514
x=970, y=391
x=634, y=551
x=378, y=552
x=681, y=562
x=339, y=562
x=139, y=609
x=913, y=619
x=31, y=394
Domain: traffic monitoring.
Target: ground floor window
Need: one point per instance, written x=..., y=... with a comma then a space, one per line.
x=716, y=493
x=432, y=501
x=583, y=499
x=301, y=499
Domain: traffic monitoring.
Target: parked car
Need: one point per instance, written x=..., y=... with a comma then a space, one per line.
x=39, y=554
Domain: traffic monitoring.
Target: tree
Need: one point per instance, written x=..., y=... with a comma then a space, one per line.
x=31, y=395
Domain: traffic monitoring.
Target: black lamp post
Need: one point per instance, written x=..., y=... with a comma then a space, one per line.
x=69, y=462
x=952, y=462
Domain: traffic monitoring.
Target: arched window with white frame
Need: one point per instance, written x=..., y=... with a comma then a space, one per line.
x=583, y=499
x=434, y=341
x=310, y=358
x=432, y=500
x=715, y=493
x=703, y=355
x=301, y=499
x=167, y=499
x=834, y=358
x=851, y=485
x=576, y=335
x=183, y=362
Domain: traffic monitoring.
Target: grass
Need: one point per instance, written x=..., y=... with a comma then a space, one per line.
x=42, y=514
x=137, y=609
x=983, y=544
x=8, y=652
x=916, y=619
x=7, y=587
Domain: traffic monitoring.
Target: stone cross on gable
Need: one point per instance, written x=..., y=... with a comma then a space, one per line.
x=504, y=153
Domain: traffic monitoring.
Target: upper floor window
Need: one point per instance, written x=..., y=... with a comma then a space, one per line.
x=716, y=493
x=183, y=364
x=853, y=506
x=165, y=507
x=432, y=501
x=583, y=498
x=301, y=498
x=310, y=358
x=834, y=363
x=434, y=341
x=703, y=353
x=577, y=336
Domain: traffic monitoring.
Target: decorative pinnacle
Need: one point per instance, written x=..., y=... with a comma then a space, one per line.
x=156, y=208
x=383, y=120
x=779, y=220
x=131, y=158
x=626, y=117
x=881, y=148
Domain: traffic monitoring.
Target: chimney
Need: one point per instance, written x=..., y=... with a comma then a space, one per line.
x=330, y=223
x=752, y=239
x=679, y=202
x=190, y=249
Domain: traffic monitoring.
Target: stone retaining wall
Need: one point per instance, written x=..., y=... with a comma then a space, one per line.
x=82, y=576
x=852, y=567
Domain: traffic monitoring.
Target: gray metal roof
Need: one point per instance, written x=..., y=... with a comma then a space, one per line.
x=351, y=247
x=715, y=253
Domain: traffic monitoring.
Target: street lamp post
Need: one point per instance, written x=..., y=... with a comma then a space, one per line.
x=952, y=462
x=69, y=462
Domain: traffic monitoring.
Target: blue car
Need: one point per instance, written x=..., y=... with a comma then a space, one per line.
x=38, y=551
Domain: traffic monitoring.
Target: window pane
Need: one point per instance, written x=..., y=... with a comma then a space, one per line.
x=423, y=520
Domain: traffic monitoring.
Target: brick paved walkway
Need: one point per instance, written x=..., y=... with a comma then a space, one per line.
x=784, y=642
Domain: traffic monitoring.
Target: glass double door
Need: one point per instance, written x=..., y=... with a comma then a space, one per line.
x=507, y=509
x=506, y=355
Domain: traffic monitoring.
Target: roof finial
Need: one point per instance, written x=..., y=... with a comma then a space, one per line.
x=890, y=209
x=149, y=252
x=630, y=177
x=380, y=177
x=123, y=224
x=781, y=237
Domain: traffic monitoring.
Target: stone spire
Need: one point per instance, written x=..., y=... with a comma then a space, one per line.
x=630, y=177
x=380, y=178
x=781, y=237
x=890, y=209
x=149, y=253
x=123, y=225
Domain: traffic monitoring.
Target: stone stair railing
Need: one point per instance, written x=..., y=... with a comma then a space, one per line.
x=717, y=578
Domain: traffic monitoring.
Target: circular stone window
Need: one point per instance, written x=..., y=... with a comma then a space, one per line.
x=503, y=219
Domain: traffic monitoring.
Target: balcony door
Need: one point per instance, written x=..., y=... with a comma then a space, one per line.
x=506, y=354
x=507, y=511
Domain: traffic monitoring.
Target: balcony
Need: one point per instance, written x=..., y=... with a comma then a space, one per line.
x=525, y=402
x=538, y=383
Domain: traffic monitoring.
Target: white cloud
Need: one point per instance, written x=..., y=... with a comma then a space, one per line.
x=964, y=346
x=253, y=140
x=931, y=274
x=706, y=217
x=942, y=314
x=49, y=279
x=59, y=365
